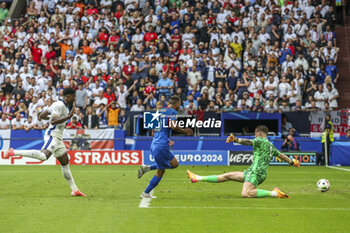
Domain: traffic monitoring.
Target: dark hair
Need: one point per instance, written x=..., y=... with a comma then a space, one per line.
x=262, y=129
x=174, y=100
x=68, y=91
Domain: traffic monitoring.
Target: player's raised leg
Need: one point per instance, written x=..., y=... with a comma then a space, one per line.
x=231, y=176
x=64, y=160
x=35, y=154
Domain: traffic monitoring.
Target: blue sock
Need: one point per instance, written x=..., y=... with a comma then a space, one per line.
x=153, y=183
x=153, y=167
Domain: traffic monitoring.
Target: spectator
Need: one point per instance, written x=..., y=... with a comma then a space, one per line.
x=242, y=106
x=102, y=115
x=3, y=12
x=204, y=102
x=113, y=110
x=164, y=85
x=320, y=97
x=346, y=137
x=332, y=71
x=247, y=101
x=138, y=107
x=100, y=99
x=74, y=124
x=284, y=107
x=150, y=101
x=298, y=107
x=312, y=107
x=311, y=87
x=40, y=124
x=257, y=106
x=228, y=107
x=90, y=120
x=29, y=124
x=212, y=107
x=271, y=108
x=18, y=90
x=17, y=122
x=194, y=77
x=122, y=118
x=21, y=109
x=332, y=95
x=81, y=97
x=5, y=122
x=270, y=86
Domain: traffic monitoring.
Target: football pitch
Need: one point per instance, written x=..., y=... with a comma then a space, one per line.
x=37, y=199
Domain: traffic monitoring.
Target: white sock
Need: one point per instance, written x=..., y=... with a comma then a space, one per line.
x=273, y=194
x=198, y=177
x=35, y=154
x=68, y=175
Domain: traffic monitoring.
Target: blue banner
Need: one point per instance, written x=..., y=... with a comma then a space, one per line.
x=340, y=153
x=22, y=140
x=193, y=157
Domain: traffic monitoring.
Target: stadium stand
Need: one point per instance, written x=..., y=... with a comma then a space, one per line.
x=132, y=55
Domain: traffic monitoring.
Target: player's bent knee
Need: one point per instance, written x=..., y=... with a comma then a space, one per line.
x=160, y=172
x=244, y=194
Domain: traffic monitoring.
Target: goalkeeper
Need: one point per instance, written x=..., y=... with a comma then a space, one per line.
x=263, y=150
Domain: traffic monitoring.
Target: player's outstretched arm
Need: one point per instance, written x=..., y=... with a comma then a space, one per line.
x=242, y=141
x=293, y=162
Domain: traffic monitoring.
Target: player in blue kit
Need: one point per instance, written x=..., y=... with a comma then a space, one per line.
x=160, y=148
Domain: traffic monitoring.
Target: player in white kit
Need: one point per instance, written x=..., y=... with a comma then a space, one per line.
x=59, y=114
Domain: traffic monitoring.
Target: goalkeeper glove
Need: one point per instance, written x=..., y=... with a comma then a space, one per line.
x=231, y=138
x=295, y=163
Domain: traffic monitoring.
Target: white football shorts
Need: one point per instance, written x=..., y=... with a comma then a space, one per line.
x=54, y=145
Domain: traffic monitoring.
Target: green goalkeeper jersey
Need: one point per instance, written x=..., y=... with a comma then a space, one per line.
x=263, y=150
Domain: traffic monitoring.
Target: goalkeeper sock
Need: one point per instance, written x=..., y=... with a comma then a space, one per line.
x=211, y=179
x=264, y=193
x=153, y=183
x=153, y=167
x=68, y=175
x=35, y=154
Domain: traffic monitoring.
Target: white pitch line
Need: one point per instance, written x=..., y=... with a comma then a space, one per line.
x=247, y=208
x=339, y=168
x=145, y=202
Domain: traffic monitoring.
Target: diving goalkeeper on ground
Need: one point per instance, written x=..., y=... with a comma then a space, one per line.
x=263, y=150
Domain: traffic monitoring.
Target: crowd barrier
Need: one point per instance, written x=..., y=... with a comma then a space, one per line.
x=138, y=157
x=111, y=146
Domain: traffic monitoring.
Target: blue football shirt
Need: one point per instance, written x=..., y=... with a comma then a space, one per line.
x=162, y=135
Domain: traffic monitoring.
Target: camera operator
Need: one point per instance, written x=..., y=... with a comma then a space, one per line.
x=290, y=144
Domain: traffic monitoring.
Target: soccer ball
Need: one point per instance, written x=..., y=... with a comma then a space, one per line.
x=323, y=185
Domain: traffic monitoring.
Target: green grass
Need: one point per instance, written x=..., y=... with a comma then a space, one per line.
x=36, y=199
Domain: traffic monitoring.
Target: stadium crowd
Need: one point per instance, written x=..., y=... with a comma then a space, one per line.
x=132, y=55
